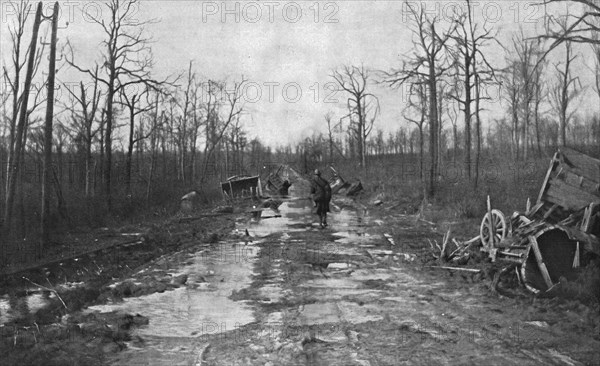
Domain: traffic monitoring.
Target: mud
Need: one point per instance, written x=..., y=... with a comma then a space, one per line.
x=289, y=293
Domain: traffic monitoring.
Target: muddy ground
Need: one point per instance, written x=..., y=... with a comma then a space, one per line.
x=236, y=290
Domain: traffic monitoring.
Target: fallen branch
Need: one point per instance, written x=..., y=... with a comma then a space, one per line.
x=473, y=240
x=47, y=289
x=472, y=270
x=461, y=248
x=444, y=246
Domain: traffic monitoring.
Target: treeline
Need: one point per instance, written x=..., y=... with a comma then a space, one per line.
x=122, y=141
x=449, y=78
x=117, y=143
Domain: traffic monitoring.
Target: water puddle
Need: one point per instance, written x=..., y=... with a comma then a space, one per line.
x=204, y=305
x=13, y=308
x=336, y=313
x=355, y=237
x=293, y=217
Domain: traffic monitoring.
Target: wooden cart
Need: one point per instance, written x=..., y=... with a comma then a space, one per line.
x=559, y=233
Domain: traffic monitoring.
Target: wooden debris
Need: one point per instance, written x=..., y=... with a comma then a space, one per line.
x=471, y=270
x=540, y=261
x=443, y=254
x=473, y=240
x=389, y=238
x=428, y=222
x=47, y=289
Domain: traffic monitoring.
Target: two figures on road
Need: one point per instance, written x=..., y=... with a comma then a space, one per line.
x=321, y=194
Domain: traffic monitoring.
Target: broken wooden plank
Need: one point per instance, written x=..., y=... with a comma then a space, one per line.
x=534, y=209
x=549, y=212
x=491, y=230
x=540, y=261
x=472, y=240
x=509, y=254
x=581, y=164
x=553, y=163
x=472, y=270
x=569, y=197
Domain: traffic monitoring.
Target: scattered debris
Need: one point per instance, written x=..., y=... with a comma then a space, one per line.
x=389, y=238
x=278, y=184
x=549, y=240
x=336, y=182
x=472, y=270
x=242, y=187
x=354, y=188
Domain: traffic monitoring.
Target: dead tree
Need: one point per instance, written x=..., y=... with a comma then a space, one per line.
x=427, y=61
x=19, y=137
x=197, y=122
x=47, y=166
x=328, y=117
x=219, y=115
x=566, y=89
x=524, y=64
x=541, y=94
x=418, y=102
x=470, y=62
x=126, y=60
x=83, y=123
x=157, y=124
x=363, y=106
x=580, y=27
x=512, y=95
x=133, y=102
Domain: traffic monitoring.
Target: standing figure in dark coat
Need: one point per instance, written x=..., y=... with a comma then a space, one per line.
x=321, y=194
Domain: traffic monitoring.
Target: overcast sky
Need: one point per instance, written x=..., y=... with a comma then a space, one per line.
x=286, y=48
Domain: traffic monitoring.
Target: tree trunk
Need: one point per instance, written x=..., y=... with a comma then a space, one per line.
x=478, y=131
x=130, y=146
x=467, y=117
x=46, y=184
x=432, y=122
x=14, y=166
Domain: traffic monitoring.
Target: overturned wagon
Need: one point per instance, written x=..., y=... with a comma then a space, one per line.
x=241, y=187
x=557, y=234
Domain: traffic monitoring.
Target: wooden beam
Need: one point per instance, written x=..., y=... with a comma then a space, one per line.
x=549, y=212
x=472, y=270
x=540, y=261
x=545, y=183
x=491, y=231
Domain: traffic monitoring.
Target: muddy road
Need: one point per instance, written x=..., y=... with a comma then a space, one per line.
x=282, y=291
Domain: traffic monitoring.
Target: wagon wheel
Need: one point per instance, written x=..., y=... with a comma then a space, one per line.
x=499, y=228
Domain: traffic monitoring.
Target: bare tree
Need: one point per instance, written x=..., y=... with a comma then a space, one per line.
x=19, y=135
x=136, y=103
x=427, y=61
x=470, y=63
x=581, y=27
x=47, y=166
x=566, y=89
x=512, y=94
x=126, y=60
x=328, y=117
x=363, y=106
x=219, y=115
x=528, y=56
x=418, y=104
x=83, y=123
